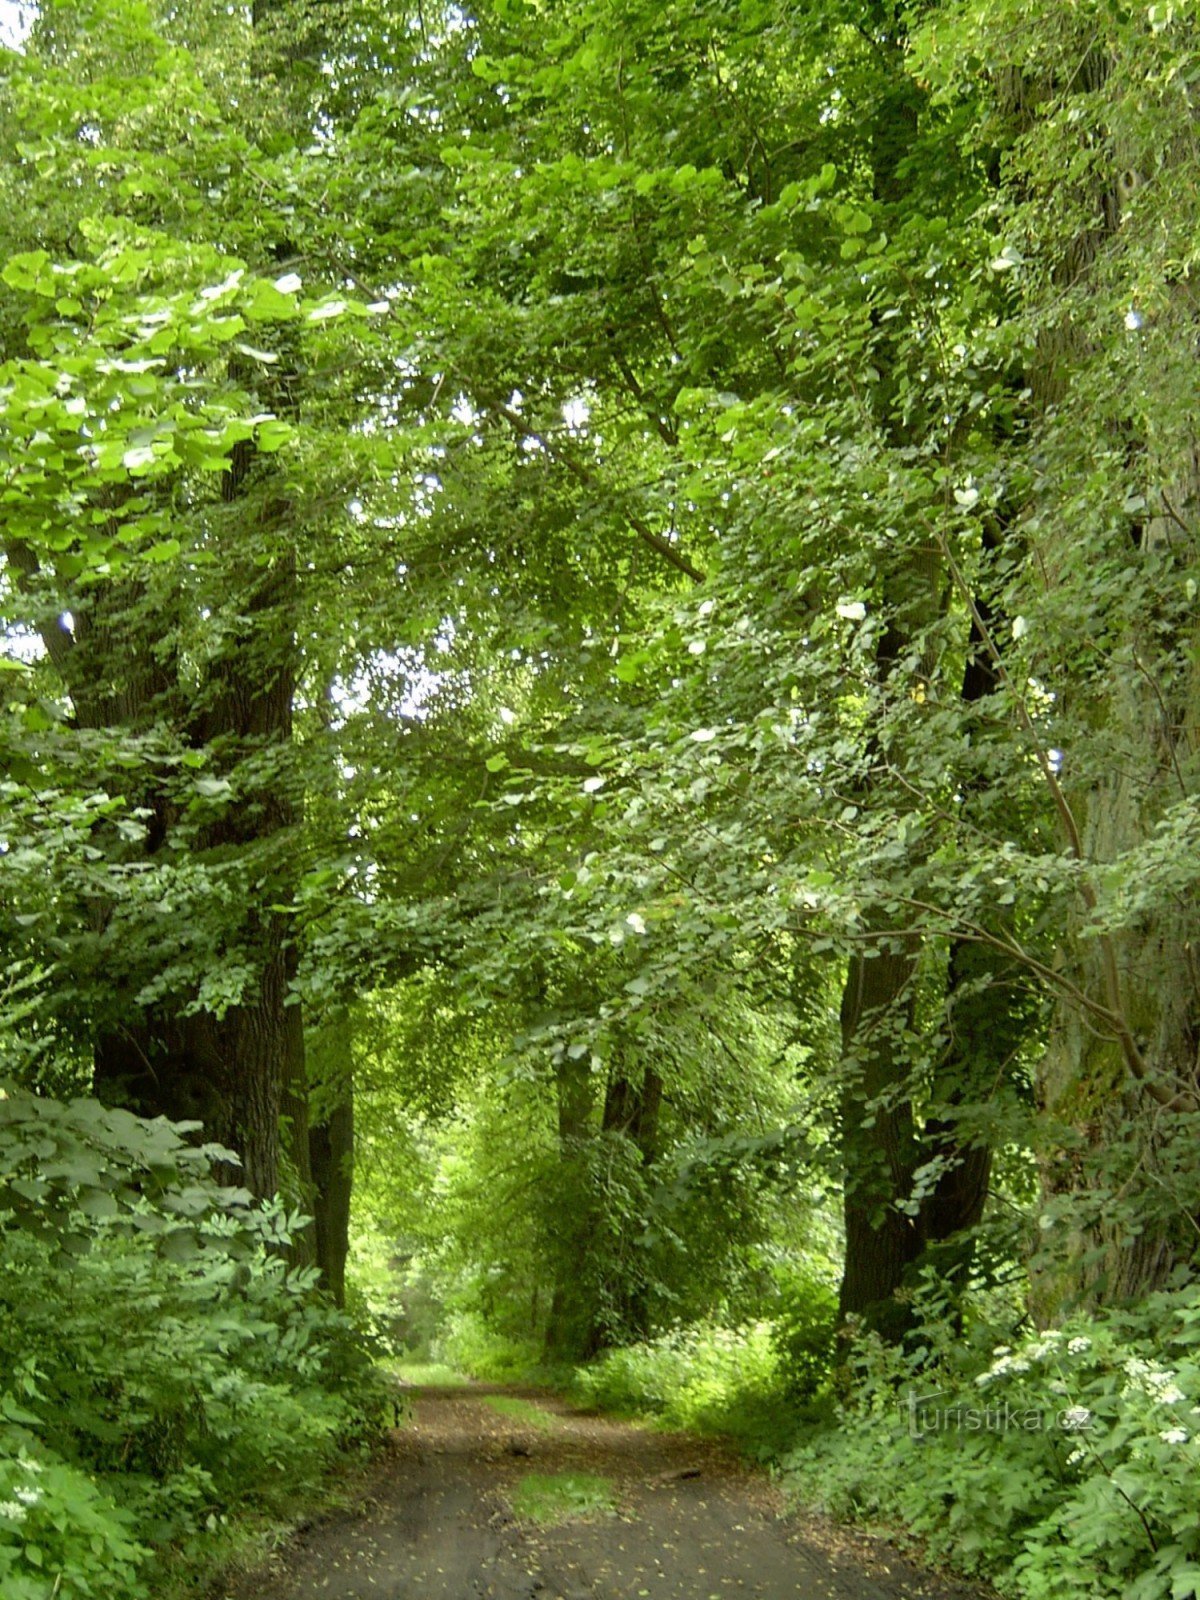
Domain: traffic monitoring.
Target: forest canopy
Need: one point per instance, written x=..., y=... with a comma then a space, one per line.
x=599, y=705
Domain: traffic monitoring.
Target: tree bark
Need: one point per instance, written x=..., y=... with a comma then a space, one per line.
x=985, y=1016
x=1118, y=1101
x=878, y=1146
x=568, y=1321
x=331, y=1143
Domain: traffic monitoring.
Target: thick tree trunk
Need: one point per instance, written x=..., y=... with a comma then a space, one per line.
x=883, y=1150
x=220, y=1072
x=986, y=1019
x=569, y=1319
x=585, y=1305
x=632, y=1110
x=985, y=1022
x=1119, y=1096
x=878, y=1147
x=237, y=1072
x=1126, y=1157
x=331, y=1143
x=878, y=1151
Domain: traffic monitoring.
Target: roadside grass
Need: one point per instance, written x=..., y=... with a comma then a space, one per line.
x=428, y=1374
x=203, y=1569
x=722, y=1382
x=550, y=1497
x=521, y=1410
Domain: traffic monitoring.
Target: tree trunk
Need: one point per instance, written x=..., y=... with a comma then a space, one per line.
x=878, y=1148
x=239, y=1071
x=569, y=1319
x=632, y=1110
x=1119, y=1097
x=331, y=1143
x=1124, y=1156
x=986, y=1020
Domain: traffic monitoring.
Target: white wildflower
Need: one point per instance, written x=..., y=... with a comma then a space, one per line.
x=1076, y=1347
x=1174, y=1436
x=13, y=1510
x=1160, y=1385
x=851, y=610
x=1076, y=1457
x=27, y=1495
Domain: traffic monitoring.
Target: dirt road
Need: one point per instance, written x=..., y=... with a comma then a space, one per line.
x=685, y=1521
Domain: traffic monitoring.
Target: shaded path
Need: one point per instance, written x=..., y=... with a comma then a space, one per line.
x=692, y=1522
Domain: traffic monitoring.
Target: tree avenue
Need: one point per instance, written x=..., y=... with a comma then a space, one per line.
x=599, y=746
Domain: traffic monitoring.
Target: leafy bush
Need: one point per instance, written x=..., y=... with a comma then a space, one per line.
x=469, y=1344
x=58, y=1532
x=163, y=1363
x=711, y=1379
x=804, y=1335
x=1066, y=1462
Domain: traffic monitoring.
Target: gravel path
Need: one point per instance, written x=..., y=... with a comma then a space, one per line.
x=692, y=1522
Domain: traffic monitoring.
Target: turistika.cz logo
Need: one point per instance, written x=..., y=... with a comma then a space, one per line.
x=935, y=1413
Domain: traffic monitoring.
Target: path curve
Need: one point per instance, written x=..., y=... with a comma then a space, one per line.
x=692, y=1521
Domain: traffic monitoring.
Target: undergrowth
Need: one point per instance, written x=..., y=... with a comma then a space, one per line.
x=1065, y=1462
x=706, y=1378
x=163, y=1370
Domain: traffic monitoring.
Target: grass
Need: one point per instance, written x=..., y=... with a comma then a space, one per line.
x=249, y=1537
x=546, y=1497
x=705, y=1379
x=520, y=1410
x=428, y=1374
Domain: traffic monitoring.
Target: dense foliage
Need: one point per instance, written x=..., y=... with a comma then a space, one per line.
x=162, y=1362
x=600, y=647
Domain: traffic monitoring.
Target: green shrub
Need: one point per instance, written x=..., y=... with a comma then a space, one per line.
x=59, y=1533
x=1064, y=1463
x=468, y=1344
x=163, y=1366
x=804, y=1335
x=708, y=1378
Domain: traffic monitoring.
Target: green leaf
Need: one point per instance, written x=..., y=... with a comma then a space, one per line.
x=272, y=436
